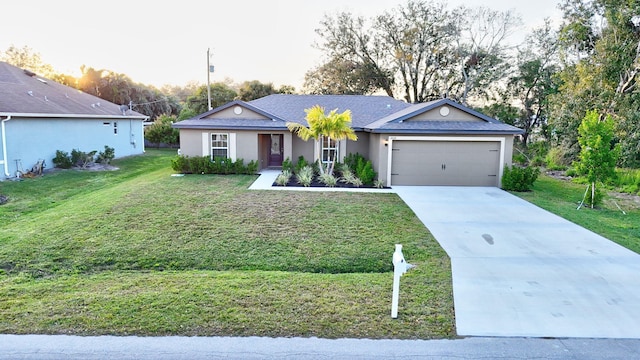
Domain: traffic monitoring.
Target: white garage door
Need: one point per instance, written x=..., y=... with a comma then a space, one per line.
x=452, y=163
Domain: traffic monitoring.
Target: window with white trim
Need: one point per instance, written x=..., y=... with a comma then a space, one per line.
x=219, y=146
x=329, y=150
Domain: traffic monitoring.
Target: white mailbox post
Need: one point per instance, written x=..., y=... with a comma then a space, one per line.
x=400, y=266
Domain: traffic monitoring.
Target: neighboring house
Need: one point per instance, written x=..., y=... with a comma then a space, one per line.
x=39, y=116
x=435, y=143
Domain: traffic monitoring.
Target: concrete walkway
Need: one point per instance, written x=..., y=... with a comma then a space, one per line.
x=519, y=270
x=267, y=177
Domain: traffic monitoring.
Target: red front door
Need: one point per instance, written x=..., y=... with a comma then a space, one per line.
x=276, y=150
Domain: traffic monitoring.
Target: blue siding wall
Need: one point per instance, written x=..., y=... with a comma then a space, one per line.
x=32, y=139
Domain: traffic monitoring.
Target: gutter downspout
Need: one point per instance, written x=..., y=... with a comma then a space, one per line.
x=4, y=146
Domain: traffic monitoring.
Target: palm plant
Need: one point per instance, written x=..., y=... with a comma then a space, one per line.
x=336, y=126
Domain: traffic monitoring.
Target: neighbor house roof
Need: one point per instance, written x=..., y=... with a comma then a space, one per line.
x=382, y=114
x=23, y=93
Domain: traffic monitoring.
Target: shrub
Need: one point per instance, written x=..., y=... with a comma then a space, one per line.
x=180, y=164
x=81, y=158
x=283, y=178
x=204, y=165
x=365, y=172
x=520, y=159
x=305, y=176
x=105, y=157
x=537, y=160
x=519, y=178
x=378, y=183
x=62, y=160
x=571, y=172
x=555, y=159
x=351, y=160
x=287, y=165
x=361, y=167
x=238, y=166
x=301, y=164
x=328, y=179
x=252, y=167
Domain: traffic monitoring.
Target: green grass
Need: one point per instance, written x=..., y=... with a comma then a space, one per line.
x=136, y=251
x=563, y=197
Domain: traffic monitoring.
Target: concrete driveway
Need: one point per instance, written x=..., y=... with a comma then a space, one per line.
x=520, y=271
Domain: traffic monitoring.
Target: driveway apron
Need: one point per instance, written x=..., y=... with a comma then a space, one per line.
x=519, y=270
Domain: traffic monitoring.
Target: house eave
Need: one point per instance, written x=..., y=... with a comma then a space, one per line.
x=440, y=132
x=72, y=116
x=227, y=127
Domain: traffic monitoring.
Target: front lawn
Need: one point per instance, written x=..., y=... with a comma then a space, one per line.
x=137, y=251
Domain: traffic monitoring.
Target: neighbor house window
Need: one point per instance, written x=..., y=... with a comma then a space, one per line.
x=329, y=149
x=219, y=146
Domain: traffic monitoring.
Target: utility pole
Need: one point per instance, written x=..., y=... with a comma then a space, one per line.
x=209, y=71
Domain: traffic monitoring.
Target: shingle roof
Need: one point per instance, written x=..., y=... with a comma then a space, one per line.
x=23, y=92
x=446, y=127
x=229, y=124
x=364, y=109
x=381, y=114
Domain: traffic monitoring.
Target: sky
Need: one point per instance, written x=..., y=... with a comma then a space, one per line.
x=157, y=43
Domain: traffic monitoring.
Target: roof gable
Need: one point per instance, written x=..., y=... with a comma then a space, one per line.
x=240, y=112
x=445, y=113
x=440, y=116
x=234, y=115
x=25, y=93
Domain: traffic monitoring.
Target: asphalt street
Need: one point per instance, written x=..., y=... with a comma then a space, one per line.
x=59, y=347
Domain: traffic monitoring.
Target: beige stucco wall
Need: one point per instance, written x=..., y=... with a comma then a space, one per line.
x=302, y=148
x=360, y=146
x=191, y=142
x=246, y=143
x=454, y=115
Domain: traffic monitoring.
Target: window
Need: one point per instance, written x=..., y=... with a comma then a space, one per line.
x=329, y=150
x=219, y=146
x=115, y=127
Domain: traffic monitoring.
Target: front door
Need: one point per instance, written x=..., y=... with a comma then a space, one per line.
x=276, y=150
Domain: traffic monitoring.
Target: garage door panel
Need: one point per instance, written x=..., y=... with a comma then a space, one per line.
x=458, y=163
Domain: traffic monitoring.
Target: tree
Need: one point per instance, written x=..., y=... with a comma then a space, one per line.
x=341, y=77
x=600, y=50
x=348, y=38
x=25, y=58
x=598, y=155
x=161, y=132
x=120, y=89
x=336, y=126
x=534, y=79
x=420, y=51
x=482, y=51
x=221, y=94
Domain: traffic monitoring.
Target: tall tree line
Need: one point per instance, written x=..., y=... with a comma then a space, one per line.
x=422, y=50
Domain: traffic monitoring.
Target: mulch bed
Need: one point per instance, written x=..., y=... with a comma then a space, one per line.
x=294, y=183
